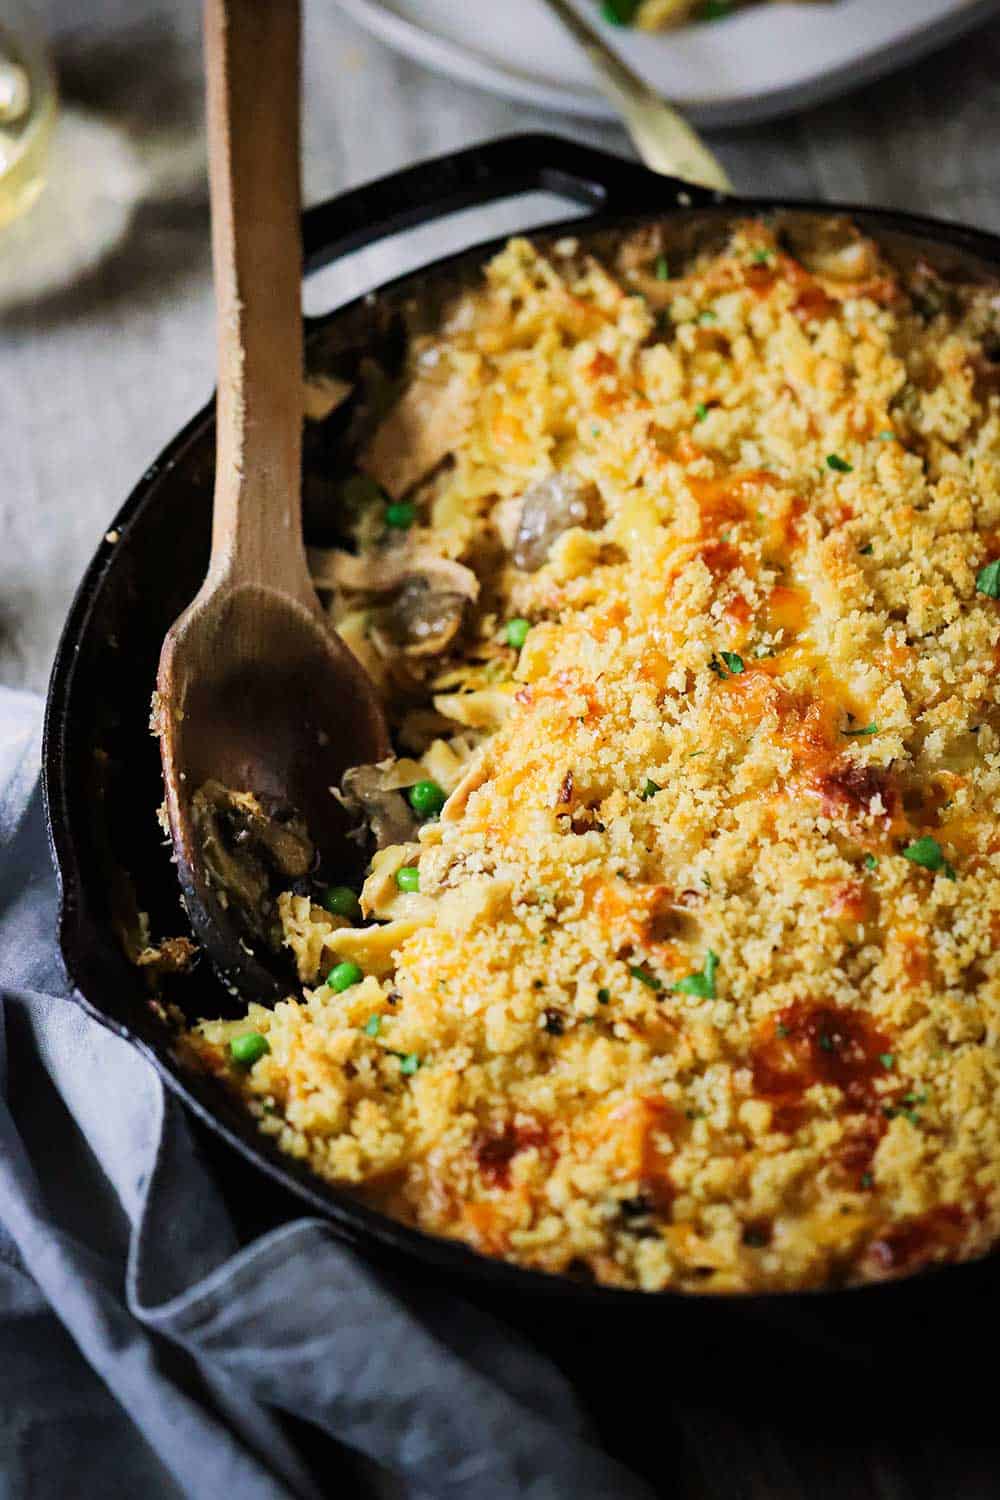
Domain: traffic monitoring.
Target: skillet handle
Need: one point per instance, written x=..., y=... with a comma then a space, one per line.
x=484, y=174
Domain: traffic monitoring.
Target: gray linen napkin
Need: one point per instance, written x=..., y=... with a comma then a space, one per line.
x=144, y=1351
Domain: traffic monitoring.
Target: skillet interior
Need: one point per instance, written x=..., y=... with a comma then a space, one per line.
x=102, y=776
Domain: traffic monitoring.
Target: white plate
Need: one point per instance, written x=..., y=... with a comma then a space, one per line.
x=758, y=63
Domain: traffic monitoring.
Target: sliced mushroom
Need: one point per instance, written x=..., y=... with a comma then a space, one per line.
x=549, y=508
x=381, y=572
x=253, y=848
x=832, y=248
x=426, y=425
x=420, y=621
x=429, y=595
x=370, y=794
x=170, y=956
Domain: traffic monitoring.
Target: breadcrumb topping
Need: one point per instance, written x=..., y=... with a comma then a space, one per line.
x=697, y=986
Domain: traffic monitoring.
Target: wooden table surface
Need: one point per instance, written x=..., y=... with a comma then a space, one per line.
x=98, y=374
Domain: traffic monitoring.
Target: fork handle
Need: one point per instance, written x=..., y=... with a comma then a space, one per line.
x=663, y=138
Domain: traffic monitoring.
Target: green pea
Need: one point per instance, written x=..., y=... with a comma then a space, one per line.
x=426, y=799
x=408, y=878
x=341, y=901
x=342, y=976
x=517, y=632
x=248, y=1048
x=401, y=514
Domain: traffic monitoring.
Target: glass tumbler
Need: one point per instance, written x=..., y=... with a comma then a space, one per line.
x=27, y=108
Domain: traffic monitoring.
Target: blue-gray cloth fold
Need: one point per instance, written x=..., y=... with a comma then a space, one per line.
x=143, y=1350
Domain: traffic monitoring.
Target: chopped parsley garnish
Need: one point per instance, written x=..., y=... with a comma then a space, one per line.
x=662, y=268
x=603, y=997
x=826, y=1042
x=700, y=412
x=373, y=1025
x=761, y=257
x=645, y=977
x=866, y=551
x=781, y=1030
x=619, y=12
x=409, y=1062
x=650, y=789
x=988, y=580
x=892, y=1113
x=715, y=10
x=887, y=1059
x=927, y=853
x=868, y=729
x=867, y=1180
x=886, y=437
x=871, y=863
x=837, y=464
x=702, y=983
x=726, y=664
x=708, y=316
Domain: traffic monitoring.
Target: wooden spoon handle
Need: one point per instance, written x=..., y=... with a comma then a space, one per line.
x=252, y=60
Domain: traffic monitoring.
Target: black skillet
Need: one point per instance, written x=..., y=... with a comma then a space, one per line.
x=101, y=766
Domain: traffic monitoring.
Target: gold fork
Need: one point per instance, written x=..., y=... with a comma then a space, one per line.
x=663, y=138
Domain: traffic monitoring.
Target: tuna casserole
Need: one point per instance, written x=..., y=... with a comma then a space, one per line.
x=675, y=964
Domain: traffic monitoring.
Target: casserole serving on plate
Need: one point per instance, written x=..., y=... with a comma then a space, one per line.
x=672, y=540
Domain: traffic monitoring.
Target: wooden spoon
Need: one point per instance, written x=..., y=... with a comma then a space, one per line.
x=255, y=691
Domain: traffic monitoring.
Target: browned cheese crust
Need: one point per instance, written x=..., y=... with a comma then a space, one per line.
x=700, y=987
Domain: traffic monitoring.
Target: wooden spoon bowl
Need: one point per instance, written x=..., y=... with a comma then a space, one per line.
x=283, y=723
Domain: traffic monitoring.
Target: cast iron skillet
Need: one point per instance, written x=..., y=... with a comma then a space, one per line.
x=101, y=766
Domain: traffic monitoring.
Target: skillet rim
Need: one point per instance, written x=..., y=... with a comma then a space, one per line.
x=537, y=162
